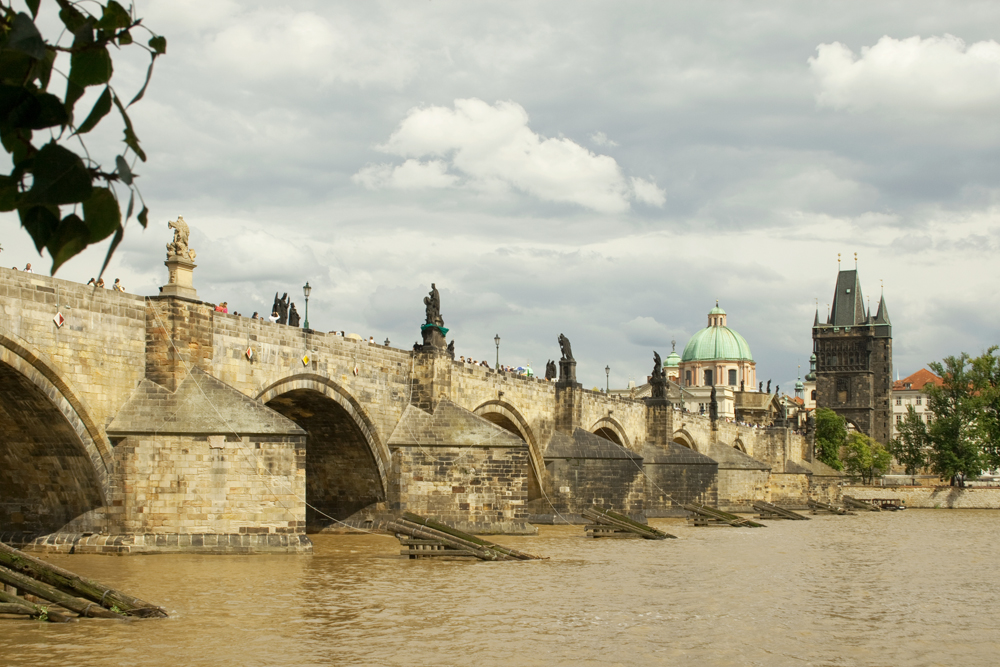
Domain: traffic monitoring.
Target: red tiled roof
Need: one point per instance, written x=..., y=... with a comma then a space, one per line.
x=917, y=380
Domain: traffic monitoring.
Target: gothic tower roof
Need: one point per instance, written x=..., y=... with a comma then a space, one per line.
x=848, y=307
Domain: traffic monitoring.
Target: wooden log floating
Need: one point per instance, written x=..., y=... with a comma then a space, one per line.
x=608, y=523
x=704, y=515
x=818, y=507
x=769, y=511
x=50, y=583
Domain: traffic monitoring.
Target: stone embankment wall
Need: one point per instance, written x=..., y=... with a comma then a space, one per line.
x=940, y=497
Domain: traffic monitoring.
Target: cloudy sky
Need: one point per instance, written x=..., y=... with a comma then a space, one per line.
x=604, y=170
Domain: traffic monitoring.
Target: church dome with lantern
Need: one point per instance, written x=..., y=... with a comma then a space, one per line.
x=717, y=355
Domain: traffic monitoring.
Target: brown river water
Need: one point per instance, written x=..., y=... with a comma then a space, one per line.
x=920, y=587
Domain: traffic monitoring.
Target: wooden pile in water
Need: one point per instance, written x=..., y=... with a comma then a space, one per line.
x=769, y=511
x=24, y=575
x=855, y=504
x=702, y=515
x=611, y=524
x=427, y=538
x=818, y=507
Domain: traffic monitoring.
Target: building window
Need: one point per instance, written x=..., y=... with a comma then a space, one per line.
x=899, y=401
x=709, y=378
x=732, y=377
x=812, y=395
x=899, y=418
x=687, y=378
x=843, y=390
x=918, y=400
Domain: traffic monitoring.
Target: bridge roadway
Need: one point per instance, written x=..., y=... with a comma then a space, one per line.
x=142, y=423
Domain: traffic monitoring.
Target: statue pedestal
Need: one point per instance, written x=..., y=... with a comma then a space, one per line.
x=567, y=371
x=181, y=280
x=434, y=340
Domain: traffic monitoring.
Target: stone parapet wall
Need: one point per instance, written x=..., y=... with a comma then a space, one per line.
x=201, y=543
x=922, y=497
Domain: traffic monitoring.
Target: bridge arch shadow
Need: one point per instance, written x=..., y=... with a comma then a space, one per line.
x=738, y=444
x=346, y=464
x=55, y=463
x=611, y=429
x=507, y=417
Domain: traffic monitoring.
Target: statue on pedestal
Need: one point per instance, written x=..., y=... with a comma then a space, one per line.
x=293, y=317
x=658, y=380
x=564, y=347
x=179, y=246
x=550, y=370
x=432, y=303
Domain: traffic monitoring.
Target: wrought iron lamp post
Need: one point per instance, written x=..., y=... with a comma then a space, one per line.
x=496, y=339
x=607, y=373
x=306, y=290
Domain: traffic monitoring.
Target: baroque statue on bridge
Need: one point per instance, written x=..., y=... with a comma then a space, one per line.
x=179, y=246
x=658, y=380
x=432, y=303
x=550, y=370
x=564, y=347
x=293, y=316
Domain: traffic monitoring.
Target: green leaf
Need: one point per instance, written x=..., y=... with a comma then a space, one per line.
x=51, y=112
x=114, y=18
x=101, y=109
x=124, y=172
x=159, y=44
x=15, y=66
x=102, y=214
x=40, y=221
x=8, y=193
x=24, y=37
x=21, y=108
x=130, y=139
x=69, y=239
x=33, y=6
x=72, y=18
x=125, y=38
x=42, y=69
x=91, y=67
x=144, y=217
x=17, y=142
x=131, y=203
x=73, y=93
x=111, y=249
x=142, y=91
x=59, y=177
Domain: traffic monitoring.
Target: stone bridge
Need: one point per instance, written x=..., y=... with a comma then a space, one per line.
x=134, y=423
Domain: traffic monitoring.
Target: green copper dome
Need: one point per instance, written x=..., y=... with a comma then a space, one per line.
x=672, y=361
x=716, y=310
x=717, y=342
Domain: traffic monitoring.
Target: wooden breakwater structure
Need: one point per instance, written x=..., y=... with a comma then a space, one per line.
x=855, y=504
x=607, y=523
x=702, y=515
x=426, y=538
x=818, y=507
x=769, y=511
x=58, y=594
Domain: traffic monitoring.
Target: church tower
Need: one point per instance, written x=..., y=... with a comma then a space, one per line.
x=854, y=360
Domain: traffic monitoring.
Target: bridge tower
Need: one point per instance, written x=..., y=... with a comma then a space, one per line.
x=854, y=359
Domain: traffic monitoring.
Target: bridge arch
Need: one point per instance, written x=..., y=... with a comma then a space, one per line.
x=507, y=417
x=738, y=444
x=55, y=464
x=682, y=437
x=611, y=429
x=347, y=463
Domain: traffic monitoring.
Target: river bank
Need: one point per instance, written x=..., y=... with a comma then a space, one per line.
x=931, y=497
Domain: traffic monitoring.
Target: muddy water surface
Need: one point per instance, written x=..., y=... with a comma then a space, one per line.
x=906, y=588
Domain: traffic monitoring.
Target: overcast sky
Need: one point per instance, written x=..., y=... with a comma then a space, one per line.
x=603, y=170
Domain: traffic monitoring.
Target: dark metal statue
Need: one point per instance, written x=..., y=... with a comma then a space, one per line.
x=769, y=386
x=741, y=385
x=760, y=387
x=432, y=304
x=293, y=317
x=451, y=348
x=281, y=307
x=658, y=380
x=713, y=406
x=564, y=347
x=550, y=370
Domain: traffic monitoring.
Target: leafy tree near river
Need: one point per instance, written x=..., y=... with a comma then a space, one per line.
x=49, y=176
x=965, y=434
x=831, y=434
x=865, y=457
x=910, y=446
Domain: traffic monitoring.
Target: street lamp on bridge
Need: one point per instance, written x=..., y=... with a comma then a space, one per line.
x=607, y=374
x=496, y=339
x=306, y=290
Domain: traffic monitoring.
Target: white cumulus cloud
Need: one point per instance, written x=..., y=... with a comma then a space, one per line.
x=491, y=148
x=932, y=74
